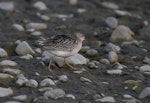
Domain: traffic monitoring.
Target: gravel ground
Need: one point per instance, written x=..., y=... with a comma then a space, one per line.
x=117, y=48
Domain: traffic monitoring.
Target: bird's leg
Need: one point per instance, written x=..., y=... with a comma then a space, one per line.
x=69, y=64
x=50, y=62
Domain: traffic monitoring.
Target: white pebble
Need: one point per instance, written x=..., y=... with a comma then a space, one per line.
x=63, y=78
x=145, y=68
x=122, y=13
x=12, y=102
x=40, y=5
x=47, y=82
x=5, y=92
x=112, y=56
x=70, y=96
x=3, y=53
x=45, y=89
x=73, y=2
x=112, y=47
x=27, y=57
x=24, y=48
x=145, y=93
x=36, y=33
x=8, y=63
x=83, y=79
x=18, y=27
x=32, y=83
x=11, y=71
x=7, y=6
x=110, y=5
x=4, y=76
x=127, y=96
x=111, y=72
x=107, y=99
x=36, y=26
x=111, y=22
x=20, y=97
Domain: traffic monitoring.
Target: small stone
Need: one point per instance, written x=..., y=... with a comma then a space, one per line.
x=107, y=99
x=70, y=96
x=7, y=6
x=38, y=50
x=146, y=60
x=11, y=102
x=128, y=43
x=83, y=79
x=73, y=2
x=20, y=97
x=112, y=56
x=12, y=71
x=19, y=83
x=84, y=49
x=111, y=22
x=47, y=82
x=36, y=33
x=122, y=13
x=122, y=33
x=6, y=78
x=92, y=53
x=63, y=78
x=105, y=61
x=93, y=65
x=18, y=27
x=21, y=76
x=54, y=93
x=132, y=83
x=80, y=10
x=78, y=72
x=5, y=92
x=110, y=5
x=131, y=100
x=126, y=96
x=112, y=47
x=43, y=17
x=36, y=26
x=8, y=63
x=113, y=72
x=24, y=48
x=145, y=68
x=40, y=5
x=45, y=89
x=96, y=96
x=145, y=93
x=3, y=53
x=96, y=43
x=32, y=83
x=27, y=57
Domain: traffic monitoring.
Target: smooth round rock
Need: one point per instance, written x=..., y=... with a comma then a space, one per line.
x=32, y=83
x=18, y=27
x=107, y=99
x=24, y=48
x=112, y=47
x=92, y=53
x=113, y=57
x=55, y=93
x=145, y=93
x=40, y=5
x=47, y=82
x=145, y=68
x=111, y=22
x=11, y=71
x=20, y=97
x=3, y=53
x=63, y=78
x=36, y=26
x=5, y=92
x=8, y=63
x=122, y=33
x=110, y=5
x=7, y=6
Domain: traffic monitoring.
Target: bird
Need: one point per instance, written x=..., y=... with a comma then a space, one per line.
x=63, y=46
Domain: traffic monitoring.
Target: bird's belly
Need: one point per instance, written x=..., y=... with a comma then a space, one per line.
x=63, y=53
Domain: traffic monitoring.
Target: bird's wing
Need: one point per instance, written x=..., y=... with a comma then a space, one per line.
x=60, y=43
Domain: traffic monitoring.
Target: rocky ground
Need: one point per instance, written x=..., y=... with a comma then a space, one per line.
x=114, y=62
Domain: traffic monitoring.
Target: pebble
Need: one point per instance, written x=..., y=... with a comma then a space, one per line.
x=112, y=47
x=18, y=27
x=113, y=57
x=122, y=33
x=40, y=5
x=96, y=96
x=8, y=63
x=11, y=102
x=12, y=71
x=73, y=2
x=20, y=97
x=3, y=53
x=70, y=96
x=27, y=57
x=6, y=92
x=128, y=43
x=78, y=72
x=36, y=33
x=24, y=48
x=93, y=65
x=84, y=49
x=111, y=22
x=92, y=53
x=45, y=89
x=19, y=83
x=145, y=68
x=105, y=61
x=131, y=100
x=83, y=79
x=31, y=83
x=110, y=5
x=43, y=17
x=55, y=93
x=113, y=72
x=145, y=93
x=133, y=83
x=146, y=60
x=47, y=82
x=127, y=96
x=63, y=78
x=107, y=99
x=36, y=26
x=122, y=13
x=80, y=10
x=7, y=6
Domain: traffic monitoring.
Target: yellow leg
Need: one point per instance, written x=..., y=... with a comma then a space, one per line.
x=50, y=62
x=69, y=65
